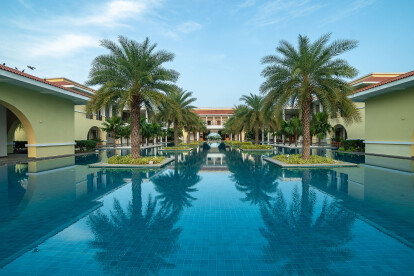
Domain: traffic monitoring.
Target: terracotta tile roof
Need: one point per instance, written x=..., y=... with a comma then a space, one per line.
x=389, y=80
x=213, y=112
x=17, y=72
x=376, y=79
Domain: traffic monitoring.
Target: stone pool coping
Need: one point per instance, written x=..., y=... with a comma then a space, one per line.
x=165, y=149
x=131, y=166
x=285, y=165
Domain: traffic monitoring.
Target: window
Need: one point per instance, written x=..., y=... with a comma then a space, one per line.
x=99, y=116
x=89, y=116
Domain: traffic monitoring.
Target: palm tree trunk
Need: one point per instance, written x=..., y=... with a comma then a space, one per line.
x=256, y=136
x=114, y=133
x=296, y=140
x=188, y=137
x=319, y=141
x=176, y=133
x=306, y=113
x=135, y=127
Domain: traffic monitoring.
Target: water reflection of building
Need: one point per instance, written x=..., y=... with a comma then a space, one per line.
x=39, y=199
x=384, y=197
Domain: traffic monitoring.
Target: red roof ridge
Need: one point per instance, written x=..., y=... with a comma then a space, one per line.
x=17, y=72
x=403, y=76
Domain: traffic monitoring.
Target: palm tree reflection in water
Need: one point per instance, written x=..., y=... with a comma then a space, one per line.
x=175, y=187
x=299, y=239
x=136, y=240
x=258, y=181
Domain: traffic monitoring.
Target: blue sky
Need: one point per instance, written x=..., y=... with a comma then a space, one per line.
x=218, y=44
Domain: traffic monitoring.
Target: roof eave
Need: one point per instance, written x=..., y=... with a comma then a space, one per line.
x=397, y=85
x=43, y=87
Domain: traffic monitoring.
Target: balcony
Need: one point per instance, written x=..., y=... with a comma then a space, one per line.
x=215, y=126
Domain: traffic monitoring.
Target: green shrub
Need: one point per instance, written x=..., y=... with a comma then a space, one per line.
x=247, y=147
x=85, y=145
x=341, y=149
x=192, y=144
x=297, y=159
x=117, y=159
x=238, y=143
x=177, y=148
x=353, y=145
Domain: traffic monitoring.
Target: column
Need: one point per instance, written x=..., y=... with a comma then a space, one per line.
x=146, y=115
x=231, y=137
x=198, y=136
x=166, y=140
x=262, y=136
x=268, y=138
x=221, y=120
x=110, y=111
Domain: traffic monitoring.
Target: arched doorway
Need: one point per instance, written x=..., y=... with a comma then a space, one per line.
x=340, y=133
x=11, y=118
x=94, y=133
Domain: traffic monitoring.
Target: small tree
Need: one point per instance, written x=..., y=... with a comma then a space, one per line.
x=114, y=126
x=294, y=128
x=320, y=125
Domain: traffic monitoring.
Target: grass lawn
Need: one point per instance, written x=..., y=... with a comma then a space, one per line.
x=137, y=161
x=297, y=159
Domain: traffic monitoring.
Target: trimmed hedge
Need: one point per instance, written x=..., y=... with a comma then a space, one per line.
x=117, y=159
x=238, y=143
x=247, y=147
x=176, y=148
x=353, y=145
x=85, y=145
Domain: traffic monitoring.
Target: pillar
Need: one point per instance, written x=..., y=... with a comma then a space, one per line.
x=198, y=136
x=3, y=131
x=262, y=136
x=268, y=138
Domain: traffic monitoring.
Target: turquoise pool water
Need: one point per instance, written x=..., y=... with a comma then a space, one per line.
x=212, y=212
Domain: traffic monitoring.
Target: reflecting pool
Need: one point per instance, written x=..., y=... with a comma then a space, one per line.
x=213, y=211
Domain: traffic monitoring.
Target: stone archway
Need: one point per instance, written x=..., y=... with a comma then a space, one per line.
x=94, y=133
x=340, y=131
x=31, y=138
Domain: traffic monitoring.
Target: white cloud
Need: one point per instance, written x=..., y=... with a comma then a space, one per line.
x=63, y=45
x=274, y=12
x=246, y=4
x=26, y=5
x=183, y=28
x=115, y=12
x=352, y=8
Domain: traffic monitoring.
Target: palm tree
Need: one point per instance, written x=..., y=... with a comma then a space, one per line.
x=320, y=125
x=177, y=109
x=132, y=75
x=193, y=123
x=235, y=123
x=294, y=128
x=311, y=72
x=252, y=118
x=114, y=126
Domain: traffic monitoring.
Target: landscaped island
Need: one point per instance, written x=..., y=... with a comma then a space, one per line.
x=256, y=147
x=297, y=159
x=117, y=159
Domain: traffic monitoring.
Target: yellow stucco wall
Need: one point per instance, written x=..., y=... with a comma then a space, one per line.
x=354, y=130
x=83, y=125
x=390, y=118
x=20, y=135
x=45, y=118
